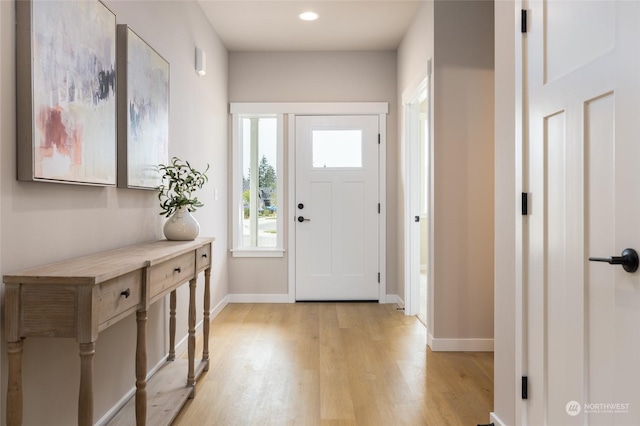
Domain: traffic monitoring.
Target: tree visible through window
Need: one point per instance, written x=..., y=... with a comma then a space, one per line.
x=259, y=141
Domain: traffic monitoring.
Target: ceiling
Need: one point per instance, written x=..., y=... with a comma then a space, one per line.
x=266, y=25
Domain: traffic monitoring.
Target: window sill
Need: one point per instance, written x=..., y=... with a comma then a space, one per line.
x=253, y=252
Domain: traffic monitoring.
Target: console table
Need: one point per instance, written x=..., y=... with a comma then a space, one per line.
x=80, y=297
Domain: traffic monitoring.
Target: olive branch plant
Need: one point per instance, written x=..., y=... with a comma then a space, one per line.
x=179, y=182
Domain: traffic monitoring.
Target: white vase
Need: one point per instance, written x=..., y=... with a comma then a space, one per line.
x=181, y=226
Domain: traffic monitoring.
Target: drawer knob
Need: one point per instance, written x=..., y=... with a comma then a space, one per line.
x=178, y=269
x=204, y=255
x=126, y=293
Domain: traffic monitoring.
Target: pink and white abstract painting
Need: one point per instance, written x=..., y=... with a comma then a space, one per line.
x=73, y=47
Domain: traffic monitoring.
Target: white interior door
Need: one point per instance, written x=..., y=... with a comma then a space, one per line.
x=583, y=326
x=337, y=208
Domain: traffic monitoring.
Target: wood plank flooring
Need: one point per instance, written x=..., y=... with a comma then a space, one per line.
x=334, y=364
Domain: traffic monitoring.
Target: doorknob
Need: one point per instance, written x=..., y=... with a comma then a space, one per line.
x=628, y=260
x=302, y=219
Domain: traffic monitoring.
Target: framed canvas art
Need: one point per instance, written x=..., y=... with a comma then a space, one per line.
x=143, y=111
x=66, y=92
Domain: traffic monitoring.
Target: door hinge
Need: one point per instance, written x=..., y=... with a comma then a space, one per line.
x=378, y=208
x=523, y=21
x=525, y=204
x=525, y=387
x=378, y=277
x=378, y=138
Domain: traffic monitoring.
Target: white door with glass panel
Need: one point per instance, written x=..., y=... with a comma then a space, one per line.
x=582, y=88
x=336, y=208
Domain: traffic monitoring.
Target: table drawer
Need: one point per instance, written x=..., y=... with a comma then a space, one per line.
x=167, y=275
x=203, y=257
x=118, y=296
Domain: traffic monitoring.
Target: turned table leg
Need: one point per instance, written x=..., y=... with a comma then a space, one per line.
x=141, y=369
x=206, y=319
x=191, y=348
x=85, y=397
x=172, y=327
x=14, y=385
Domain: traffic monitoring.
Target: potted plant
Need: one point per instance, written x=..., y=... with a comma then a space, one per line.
x=177, y=198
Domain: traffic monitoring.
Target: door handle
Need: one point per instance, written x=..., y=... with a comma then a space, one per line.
x=302, y=219
x=416, y=218
x=628, y=260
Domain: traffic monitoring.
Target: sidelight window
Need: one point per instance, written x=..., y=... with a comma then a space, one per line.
x=258, y=185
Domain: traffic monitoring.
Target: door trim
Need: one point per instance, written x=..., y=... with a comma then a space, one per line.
x=335, y=108
x=411, y=140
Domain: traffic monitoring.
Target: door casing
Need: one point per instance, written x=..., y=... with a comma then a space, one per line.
x=411, y=154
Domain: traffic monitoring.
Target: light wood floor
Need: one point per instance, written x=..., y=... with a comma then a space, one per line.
x=334, y=364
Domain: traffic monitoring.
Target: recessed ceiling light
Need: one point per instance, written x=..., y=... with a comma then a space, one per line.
x=308, y=16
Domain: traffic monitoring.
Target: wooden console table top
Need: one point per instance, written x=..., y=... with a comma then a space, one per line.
x=99, y=267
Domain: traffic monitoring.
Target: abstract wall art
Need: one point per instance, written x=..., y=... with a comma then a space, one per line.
x=66, y=92
x=143, y=111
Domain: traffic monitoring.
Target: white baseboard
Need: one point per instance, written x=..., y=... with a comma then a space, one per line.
x=496, y=420
x=393, y=298
x=459, y=345
x=257, y=298
x=219, y=307
x=104, y=420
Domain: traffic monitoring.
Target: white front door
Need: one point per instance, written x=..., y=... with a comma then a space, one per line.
x=336, y=215
x=583, y=325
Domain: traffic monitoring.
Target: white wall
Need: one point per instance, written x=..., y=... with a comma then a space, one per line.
x=463, y=169
x=314, y=77
x=43, y=222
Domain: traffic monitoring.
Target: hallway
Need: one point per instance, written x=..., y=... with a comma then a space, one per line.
x=334, y=363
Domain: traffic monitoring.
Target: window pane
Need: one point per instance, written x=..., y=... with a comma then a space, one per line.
x=246, y=183
x=259, y=182
x=336, y=148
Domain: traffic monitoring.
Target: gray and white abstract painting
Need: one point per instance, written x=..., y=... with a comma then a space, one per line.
x=148, y=113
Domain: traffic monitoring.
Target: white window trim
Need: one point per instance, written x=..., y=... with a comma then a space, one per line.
x=238, y=250
x=303, y=108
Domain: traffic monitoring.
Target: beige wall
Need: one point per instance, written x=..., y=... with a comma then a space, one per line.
x=459, y=37
x=314, y=77
x=43, y=222
x=463, y=175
